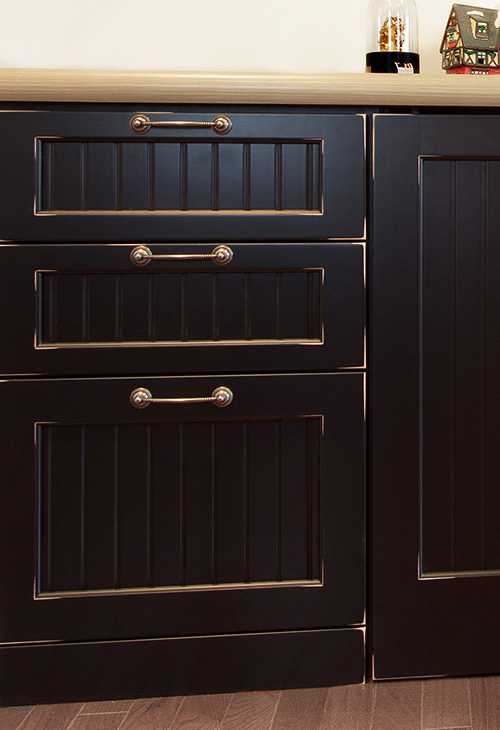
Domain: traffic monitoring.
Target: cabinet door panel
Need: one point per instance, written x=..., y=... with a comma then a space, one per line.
x=436, y=397
x=294, y=176
x=181, y=518
x=88, y=309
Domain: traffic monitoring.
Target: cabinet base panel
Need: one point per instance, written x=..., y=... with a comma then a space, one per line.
x=55, y=673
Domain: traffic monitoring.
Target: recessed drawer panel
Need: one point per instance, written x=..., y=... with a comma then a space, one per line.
x=182, y=517
x=73, y=176
x=94, y=309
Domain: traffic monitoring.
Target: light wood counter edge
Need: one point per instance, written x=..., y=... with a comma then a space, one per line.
x=60, y=85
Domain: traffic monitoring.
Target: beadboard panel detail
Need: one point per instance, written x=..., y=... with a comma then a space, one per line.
x=137, y=176
x=272, y=308
x=460, y=394
x=284, y=176
x=180, y=307
x=177, y=505
x=229, y=519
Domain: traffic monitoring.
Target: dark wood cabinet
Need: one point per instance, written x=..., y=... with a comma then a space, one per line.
x=181, y=519
x=159, y=543
x=89, y=177
x=157, y=539
x=435, y=429
x=223, y=546
x=87, y=309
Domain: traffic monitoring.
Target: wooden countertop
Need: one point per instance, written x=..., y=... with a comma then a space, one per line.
x=30, y=85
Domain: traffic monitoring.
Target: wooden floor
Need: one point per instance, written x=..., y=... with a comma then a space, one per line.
x=435, y=704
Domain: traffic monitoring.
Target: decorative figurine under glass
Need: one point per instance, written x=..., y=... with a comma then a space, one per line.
x=392, y=37
x=471, y=41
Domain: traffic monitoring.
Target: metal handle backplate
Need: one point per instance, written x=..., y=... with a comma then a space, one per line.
x=142, y=397
x=141, y=124
x=142, y=255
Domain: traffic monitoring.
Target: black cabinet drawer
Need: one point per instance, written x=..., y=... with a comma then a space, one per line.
x=88, y=309
x=226, y=663
x=89, y=176
x=181, y=518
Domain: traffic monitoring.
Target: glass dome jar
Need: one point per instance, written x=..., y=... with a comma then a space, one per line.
x=392, y=37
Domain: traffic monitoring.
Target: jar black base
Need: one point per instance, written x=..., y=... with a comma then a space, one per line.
x=392, y=62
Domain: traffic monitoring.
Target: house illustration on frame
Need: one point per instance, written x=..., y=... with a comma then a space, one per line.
x=471, y=41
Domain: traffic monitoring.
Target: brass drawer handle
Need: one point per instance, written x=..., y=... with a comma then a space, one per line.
x=142, y=255
x=141, y=124
x=142, y=397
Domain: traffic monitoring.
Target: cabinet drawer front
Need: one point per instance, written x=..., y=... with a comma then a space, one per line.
x=63, y=673
x=89, y=309
x=243, y=518
x=275, y=176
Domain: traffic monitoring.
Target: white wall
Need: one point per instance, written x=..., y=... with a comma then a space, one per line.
x=210, y=35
